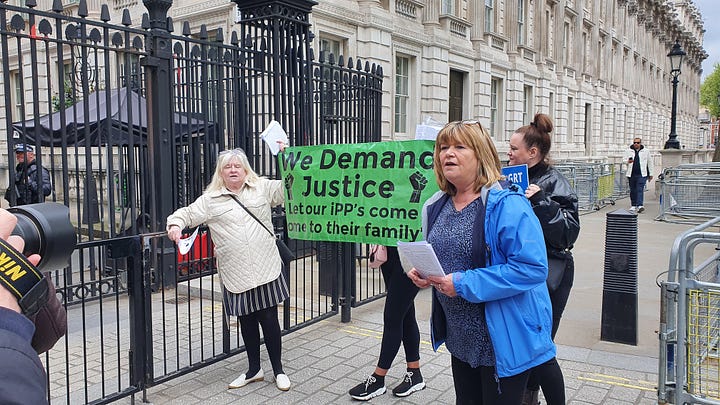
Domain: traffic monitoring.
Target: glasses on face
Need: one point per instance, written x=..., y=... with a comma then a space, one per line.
x=636, y=143
x=236, y=151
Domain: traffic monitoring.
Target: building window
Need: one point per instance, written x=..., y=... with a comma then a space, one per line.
x=584, y=51
x=600, y=65
x=17, y=95
x=521, y=22
x=330, y=46
x=548, y=34
x=551, y=105
x=489, y=15
x=527, y=104
x=67, y=86
x=131, y=76
x=496, y=100
x=571, y=119
x=448, y=7
x=566, y=43
x=615, y=123
x=402, y=93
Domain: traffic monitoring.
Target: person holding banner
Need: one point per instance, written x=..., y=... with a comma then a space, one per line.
x=491, y=309
x=248, y=260
x=399, y=326
x=556, y=206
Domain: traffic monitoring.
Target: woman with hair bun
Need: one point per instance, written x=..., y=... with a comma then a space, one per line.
x=555, y=204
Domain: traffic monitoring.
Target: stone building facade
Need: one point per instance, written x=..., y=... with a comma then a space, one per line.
x=599, y=68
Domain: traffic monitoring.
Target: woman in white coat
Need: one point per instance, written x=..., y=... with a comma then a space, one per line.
x=248, y=261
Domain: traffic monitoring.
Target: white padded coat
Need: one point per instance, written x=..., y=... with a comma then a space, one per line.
x=246, y=253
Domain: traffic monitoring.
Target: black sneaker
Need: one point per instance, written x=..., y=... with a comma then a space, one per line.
x=412, y=382
x=370, y=388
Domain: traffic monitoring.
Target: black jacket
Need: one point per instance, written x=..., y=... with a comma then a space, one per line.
x=22, y=374
x=28, y=184
x=556, y=206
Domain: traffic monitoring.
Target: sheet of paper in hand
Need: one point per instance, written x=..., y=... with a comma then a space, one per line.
x=272, y=134
x=185, y=244
x=421, y=255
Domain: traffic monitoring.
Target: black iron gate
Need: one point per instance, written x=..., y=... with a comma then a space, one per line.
x=129, y=119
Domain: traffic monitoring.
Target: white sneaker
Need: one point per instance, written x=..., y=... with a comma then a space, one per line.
x=641, y=209
x=283, y=382
x=632, y=209
x=243, y=380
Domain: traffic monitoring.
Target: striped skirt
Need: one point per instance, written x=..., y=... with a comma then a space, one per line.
x=260, y=297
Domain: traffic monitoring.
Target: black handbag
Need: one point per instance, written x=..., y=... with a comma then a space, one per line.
x=556, y=271
x=286, y=255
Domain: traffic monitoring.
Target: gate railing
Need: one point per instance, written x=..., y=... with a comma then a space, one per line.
x=689, y=333
x=135, y=335
x=129, y=118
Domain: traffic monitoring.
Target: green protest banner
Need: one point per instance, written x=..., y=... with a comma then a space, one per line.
x=368, y=192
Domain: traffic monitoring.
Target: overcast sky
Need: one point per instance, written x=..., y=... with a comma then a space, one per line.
x=710, y=10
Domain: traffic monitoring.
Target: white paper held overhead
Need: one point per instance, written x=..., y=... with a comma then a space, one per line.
x=272, y=134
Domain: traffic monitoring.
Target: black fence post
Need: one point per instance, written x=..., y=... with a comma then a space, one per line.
x=161, y=145
x=158, y=67
x=283, y=27
x=141, y=356
x=347, y=269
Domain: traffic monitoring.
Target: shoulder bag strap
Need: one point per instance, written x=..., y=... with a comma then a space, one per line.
x=237, y=200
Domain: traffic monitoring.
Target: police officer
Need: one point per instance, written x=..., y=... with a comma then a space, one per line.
x=30, y=180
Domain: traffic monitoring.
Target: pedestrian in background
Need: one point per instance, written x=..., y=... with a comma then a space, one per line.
x=399, y=326
x=491, y=309
x=30, y=182
x=639, y=171
x=248, y=260
x=556, y=206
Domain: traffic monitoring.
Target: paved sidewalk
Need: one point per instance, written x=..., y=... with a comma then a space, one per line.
x=326, y=359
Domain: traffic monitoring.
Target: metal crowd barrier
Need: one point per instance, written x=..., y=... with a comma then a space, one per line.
x=621, y=188
x=594, y=183
x=689, y=333
x=690, y=193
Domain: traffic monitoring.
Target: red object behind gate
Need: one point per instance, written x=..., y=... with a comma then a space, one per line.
x=199, y=258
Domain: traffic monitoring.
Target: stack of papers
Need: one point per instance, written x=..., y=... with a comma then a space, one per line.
x=421, y=256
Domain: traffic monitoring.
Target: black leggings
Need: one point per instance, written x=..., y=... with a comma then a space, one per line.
x=479, y=386
x=399, y=324
x=559, y=297
x=549, y=377
x=268, y=319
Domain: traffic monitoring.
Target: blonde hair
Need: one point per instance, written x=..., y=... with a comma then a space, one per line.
x=225, y=157
x=473, y=135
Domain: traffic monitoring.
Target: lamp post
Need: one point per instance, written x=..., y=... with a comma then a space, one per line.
x=676, y=57
x=717, y=122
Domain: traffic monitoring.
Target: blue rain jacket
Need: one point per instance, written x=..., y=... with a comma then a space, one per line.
x=512, y=283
